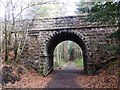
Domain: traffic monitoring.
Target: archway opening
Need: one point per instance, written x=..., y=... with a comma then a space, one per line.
x=61, y=36
x=68, y=52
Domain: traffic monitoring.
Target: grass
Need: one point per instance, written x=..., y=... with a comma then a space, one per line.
x=60, y=64
x=79, y=62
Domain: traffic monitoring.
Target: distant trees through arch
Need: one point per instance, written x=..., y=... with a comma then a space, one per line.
x=67, y=51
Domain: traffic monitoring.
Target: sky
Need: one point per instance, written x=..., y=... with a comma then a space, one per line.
x=18, y=3
x=70, y=5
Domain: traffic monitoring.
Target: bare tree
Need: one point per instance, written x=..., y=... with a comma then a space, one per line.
x=5, y=32
x=14, y=17
x=10, y=21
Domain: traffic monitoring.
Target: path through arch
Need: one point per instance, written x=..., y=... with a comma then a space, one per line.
x=60, y=36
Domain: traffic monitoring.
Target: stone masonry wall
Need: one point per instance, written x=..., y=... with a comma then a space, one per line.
x=93, y=36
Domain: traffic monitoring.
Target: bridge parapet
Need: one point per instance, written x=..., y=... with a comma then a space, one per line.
x=68, y=22
x=48, y=32
x=61, y=22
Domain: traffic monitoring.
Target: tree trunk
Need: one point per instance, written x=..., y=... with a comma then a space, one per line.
x=16, y=47
x=6, y=46
x=119, y=54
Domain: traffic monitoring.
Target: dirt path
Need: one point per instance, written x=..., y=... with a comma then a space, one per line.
x=65, y=78
x=68, y=77
x=59, y=78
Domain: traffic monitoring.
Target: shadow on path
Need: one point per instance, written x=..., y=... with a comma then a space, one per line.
x=66, y=77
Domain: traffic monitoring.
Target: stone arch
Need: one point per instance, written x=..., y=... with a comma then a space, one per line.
x=59, y=36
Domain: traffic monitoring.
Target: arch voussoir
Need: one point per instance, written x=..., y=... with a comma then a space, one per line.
x=52, y=32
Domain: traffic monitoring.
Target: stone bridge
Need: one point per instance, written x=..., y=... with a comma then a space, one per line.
x=45, y=34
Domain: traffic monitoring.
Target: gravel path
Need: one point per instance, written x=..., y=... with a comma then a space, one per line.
x=65, y=78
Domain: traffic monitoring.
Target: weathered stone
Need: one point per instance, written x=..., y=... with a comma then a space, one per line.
x=47, y=33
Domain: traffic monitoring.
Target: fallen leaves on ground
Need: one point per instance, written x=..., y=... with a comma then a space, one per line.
x=101, y=80
x=30, y=79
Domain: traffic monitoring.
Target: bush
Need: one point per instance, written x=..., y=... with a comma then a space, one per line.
x=79, y=62
x=9, y=76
